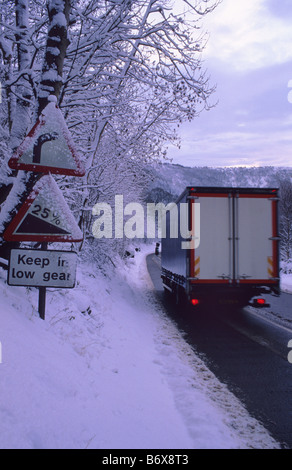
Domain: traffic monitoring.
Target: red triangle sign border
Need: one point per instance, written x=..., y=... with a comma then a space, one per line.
x=10, y=232
x=15, y=163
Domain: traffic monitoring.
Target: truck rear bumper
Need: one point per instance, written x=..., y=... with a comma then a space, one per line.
x=220, y=292
x=232, y=295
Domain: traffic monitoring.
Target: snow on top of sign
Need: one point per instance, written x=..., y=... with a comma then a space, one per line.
x=53, y=114
x=52, y=98
x=51, y=110
x=49, y=190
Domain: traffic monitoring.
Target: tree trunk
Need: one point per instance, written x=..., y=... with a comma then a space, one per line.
x=21, y=116
x=57, y=43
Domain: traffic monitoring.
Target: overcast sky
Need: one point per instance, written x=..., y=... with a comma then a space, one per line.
x=249, y=58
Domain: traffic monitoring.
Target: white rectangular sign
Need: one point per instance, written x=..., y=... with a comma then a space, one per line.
x=42, y=268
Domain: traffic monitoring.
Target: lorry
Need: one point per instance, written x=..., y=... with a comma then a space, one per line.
x=227, y=248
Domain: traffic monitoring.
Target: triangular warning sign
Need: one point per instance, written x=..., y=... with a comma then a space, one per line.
x=44, y=217
x=49, y=147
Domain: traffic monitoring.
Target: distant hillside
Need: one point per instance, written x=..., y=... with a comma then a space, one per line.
x=172, y=179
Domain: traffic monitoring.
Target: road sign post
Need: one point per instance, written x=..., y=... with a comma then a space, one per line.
x=43, y=292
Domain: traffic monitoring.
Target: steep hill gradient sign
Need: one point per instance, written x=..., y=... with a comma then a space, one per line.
x=44, y=217
x=49, y=147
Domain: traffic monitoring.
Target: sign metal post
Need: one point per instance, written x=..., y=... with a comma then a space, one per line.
x=43, y=291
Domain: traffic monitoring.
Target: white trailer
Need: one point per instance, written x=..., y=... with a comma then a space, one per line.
x=233, y=254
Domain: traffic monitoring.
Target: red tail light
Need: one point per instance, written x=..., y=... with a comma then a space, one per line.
x=260, y=301
x=195, y=302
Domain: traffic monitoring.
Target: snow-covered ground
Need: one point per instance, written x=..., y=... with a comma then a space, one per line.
x=109, y=370
x=286, y=283
x=286, y=276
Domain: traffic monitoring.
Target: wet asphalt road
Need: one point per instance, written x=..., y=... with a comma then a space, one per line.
x=247, y=350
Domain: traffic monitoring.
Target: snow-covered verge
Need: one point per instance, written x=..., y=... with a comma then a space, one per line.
x=286, y=276
x=286, y=283
x=109, y=370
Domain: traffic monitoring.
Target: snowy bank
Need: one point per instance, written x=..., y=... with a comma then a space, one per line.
x=286, y=276
x=109, y=370
x=286, y=283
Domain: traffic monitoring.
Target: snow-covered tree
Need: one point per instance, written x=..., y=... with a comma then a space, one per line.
x=22, y=86
x=126, y=73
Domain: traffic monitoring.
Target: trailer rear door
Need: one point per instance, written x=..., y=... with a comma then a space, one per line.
x=211, y=260
x=238, y=237
x=255, y=250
